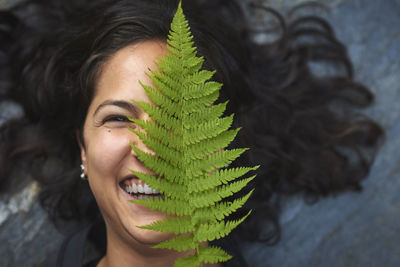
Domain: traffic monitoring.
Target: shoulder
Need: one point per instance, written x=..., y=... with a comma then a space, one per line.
x=74, y=250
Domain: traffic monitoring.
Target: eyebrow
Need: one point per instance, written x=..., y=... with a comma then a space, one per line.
x=119, y=103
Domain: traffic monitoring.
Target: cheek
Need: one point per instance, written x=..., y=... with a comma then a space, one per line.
x=106, y=151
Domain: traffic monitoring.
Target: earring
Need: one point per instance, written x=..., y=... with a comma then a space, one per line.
x=83, y=176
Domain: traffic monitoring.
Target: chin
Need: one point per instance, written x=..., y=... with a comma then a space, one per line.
x=151, y=238
x=144, y=236
x=145, y=240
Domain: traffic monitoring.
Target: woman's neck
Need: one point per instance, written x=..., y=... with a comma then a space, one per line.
x=122, y=254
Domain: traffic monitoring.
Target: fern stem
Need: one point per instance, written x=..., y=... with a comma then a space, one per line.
x=197, y=253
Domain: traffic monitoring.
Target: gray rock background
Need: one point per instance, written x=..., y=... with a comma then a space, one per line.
x=349, y=230
x=353, y=229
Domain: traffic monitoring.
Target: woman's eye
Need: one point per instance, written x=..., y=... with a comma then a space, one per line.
x=116, y=118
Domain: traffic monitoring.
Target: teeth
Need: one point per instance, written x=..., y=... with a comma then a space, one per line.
x=147, y=189
x=141, y=188
x=145, y=197
x=134, y=188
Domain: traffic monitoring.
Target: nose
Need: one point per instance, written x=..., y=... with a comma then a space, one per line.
x=137, y=142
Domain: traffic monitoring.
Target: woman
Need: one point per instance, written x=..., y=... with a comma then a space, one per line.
x=70, y=64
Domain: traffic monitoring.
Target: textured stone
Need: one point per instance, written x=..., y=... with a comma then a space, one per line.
x=28, y=239
x=354, y=229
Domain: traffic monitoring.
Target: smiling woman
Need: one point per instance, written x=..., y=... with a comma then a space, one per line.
x=107, y=156
x=74, y=66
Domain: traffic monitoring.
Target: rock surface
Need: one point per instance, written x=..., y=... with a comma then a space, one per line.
x=350, y=230
x=354, y=229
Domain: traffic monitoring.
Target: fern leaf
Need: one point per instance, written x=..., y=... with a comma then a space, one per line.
x=189, y=136
x=159, y=116
x=207, y=130
x=201, y=90
x=188, y=261
x=160, y=166
x=172, y=190
x=194, y=105
x=209, y=197
x=163, y=136
x=200, y=77
x=212, y=112
x=218, y=159
x=219, y=211
x=180, y=225
x=168, y=105
x=209, y=146
x=213, y=255
x=179, y=243
x=212, y=231
x=217, y=178
x=206, y=255
x=169, y=206
x=172, y=156
x=167, y=83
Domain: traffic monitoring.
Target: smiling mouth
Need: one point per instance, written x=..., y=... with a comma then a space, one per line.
x=137, y=189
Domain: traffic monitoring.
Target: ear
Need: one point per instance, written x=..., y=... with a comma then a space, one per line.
x=81, y=147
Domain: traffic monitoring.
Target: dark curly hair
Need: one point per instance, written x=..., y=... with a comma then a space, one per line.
x=302, y=128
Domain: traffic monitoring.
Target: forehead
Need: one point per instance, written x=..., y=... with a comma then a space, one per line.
x=121, y=73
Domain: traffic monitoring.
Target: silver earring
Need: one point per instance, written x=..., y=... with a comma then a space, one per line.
x=83, y=176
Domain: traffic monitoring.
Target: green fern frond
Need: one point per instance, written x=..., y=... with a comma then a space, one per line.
x=219, y=159
x=168, y=105
x=188, y=261
x=207, y=130
x=169, y=206
x=219, y=211
x=164, y=137
x=172, y=190
x=189, y=138
x=201, y=90
x=198, y=150
x=160, y=166
x=217, y=178
x=159, y=116
x=166, y=153
x=213, y=254
x=215, y=111
x=205, y=255
x=193, y=105
x=209, y=197
x=181, y=225
x=200, y=77
x=168, y=84
x=217, y=230
x=179, y=243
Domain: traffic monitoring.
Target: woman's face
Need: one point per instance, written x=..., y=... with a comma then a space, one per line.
x=107, y=155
